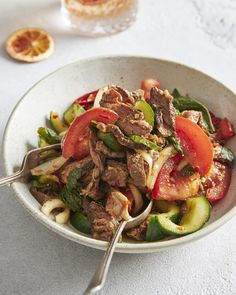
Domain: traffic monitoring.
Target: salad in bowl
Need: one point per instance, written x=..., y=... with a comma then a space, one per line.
x=120, y=148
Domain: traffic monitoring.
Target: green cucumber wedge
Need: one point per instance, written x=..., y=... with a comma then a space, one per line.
x=197, y=214
x=57, y=123
x=72, y=112
x=169, y=210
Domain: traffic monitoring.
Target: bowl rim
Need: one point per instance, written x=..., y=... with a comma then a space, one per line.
x=141, y=247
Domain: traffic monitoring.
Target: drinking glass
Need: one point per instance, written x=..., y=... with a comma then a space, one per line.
x=99, y=17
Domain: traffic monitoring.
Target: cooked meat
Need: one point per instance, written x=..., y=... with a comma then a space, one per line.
x=195, y=117
x=102, y=223
x=102, y=148
x=137, y=94
x=136, y=168
x=92, y=189
x=41, y=197
x=85, y=164
x=98, y=158
x=119, y=135
x=117, y=205
x=126, y=96
x=138, y=233
x=130, y=121
x=164, y=111
x=115, y=174
x=112, y=96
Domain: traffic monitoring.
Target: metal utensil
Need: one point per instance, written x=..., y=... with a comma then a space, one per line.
x=99, y=278
x=31, y=160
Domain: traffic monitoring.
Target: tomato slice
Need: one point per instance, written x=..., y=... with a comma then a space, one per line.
x=79, y=128
x=197, y=146
x=147, y=85
x=87, y=100
x=218, y=182
x=226, y=129
x=171, y=185
x=82, y=148
x=164, y=174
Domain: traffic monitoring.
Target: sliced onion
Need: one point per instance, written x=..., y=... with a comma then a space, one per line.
x=117, y=205
x=50, y=205
x=138, y=199
x=164, y=155
x=63, y=217
x=49, y=167
x=99, y=95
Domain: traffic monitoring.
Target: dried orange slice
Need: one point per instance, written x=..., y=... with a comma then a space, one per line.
x=30, y=45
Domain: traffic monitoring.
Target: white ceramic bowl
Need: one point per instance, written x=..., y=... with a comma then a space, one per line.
x=59, y=89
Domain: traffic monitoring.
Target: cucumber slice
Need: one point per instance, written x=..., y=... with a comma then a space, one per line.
x=197, y=214
x=57, y=123
x=148, y=112
x=169, y=210
x=110, y=141
x=72, y=112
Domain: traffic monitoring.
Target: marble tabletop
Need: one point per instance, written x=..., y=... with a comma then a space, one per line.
x=34, y=260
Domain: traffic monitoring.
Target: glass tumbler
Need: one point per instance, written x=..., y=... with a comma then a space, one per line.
x=99, y=17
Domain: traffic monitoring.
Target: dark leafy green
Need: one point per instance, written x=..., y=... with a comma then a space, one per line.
x=49, y=135
x=80, y=222
x=187, y=170
x=70, y=194
x=146, y=142
x=154, y=232
x=182, y=103
x=176, y=143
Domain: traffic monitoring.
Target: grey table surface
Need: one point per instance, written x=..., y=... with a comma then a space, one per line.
x=34, y=260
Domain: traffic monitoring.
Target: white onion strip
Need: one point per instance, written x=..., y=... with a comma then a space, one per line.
x=49, y=167
x=164, y=155
x=138, y=199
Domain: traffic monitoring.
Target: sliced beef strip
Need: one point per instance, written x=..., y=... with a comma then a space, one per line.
x=138, y=233
x=86, y=164
x=136, y=168
x=195, y=117
x=130, y=121
x=102, y=223
x=40, y=196
x=102, y=148
x=115, y=174
x=164, y=111
x=92, y=189
x=119, y=135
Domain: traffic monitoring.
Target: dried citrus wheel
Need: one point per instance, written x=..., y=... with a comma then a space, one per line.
x=30, y=45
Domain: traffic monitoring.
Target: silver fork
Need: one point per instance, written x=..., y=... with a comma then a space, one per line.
x=31, y=160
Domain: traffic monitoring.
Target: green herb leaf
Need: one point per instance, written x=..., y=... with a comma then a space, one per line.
x=70, y=194
x=148, y=143
x=49, y=135
x=187, y=170
x=176, y=143
x=154, y=232
x=182, y=103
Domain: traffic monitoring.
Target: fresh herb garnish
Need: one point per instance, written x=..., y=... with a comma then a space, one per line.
x=183, y=103
x=49, y=135
x=176, y=143
x=71, y=193
x=187, y=170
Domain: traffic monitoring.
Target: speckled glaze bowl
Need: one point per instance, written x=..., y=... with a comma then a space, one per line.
x=60, y=88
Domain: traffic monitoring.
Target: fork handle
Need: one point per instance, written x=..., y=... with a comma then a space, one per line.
x=97, y=282
x=11, y=178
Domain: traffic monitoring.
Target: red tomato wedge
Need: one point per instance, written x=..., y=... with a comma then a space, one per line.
x=87, y=100
x=79, y=128
x=197, y=146
x=218, y=182
x=82, y=148
x=164, y=174
x=226, y=129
